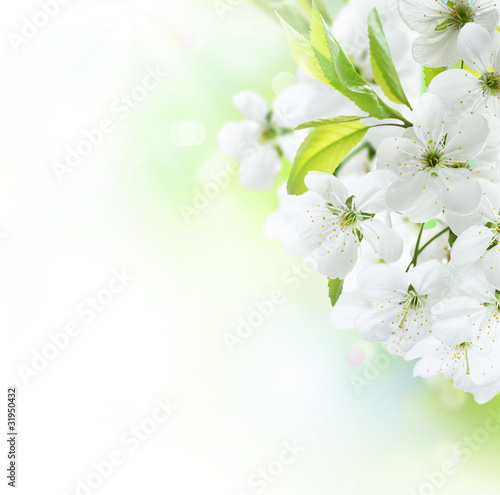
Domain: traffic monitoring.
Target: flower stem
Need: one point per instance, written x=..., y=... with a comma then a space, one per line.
x=417, y=248
x=434, y=238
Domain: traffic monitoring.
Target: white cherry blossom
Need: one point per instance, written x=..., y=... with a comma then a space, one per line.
x=439, y=23
x=258, y=142
x=432, y=163
x=401, y=312
x=473, y=307
x=462, y=90
x=481, y=241
x=342, y=219
x=469, y=360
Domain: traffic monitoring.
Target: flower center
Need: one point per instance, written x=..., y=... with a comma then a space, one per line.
x=494, y=305
x=490, y=83
x=412, y=302
x=461, y=13
x=432, y=158
x=349, y=217
x=268, y=134
x=270, y=131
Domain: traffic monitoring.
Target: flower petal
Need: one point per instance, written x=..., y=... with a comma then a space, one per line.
x=431, y=279
x=327, y=186
x=251, y=105
x=457, y=88
x=486, y=15
x=376, y=324
x=437, y=49
x=492, y=266
x=467, y=138
x=384, y=241
x=337, y=260
x=454, y=319
x=475, y=46
x=235, y=138
x=460, y=192
x=370, y=191
x=429, y=118
x=471, y=246
x=423, y=16
x=382, y=281
x=259, y=170
x=417, y=195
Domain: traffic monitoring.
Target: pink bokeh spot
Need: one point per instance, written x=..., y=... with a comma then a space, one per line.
x=355, y=356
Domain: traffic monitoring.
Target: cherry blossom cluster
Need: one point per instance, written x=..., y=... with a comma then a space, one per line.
x=408, y=224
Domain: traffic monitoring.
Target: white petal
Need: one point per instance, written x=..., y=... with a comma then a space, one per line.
x=467, y=138
x=251, y=105
x=345, y=312
x=458, y=88
x=396, y=154
x=460, y=223
x=432, y=279
x=370, y=191
x=375, y=325
x=496, y=50
x=259, y=170
x=290, y=143
x=236, y=137
x=492, y=266
x=454, y=319
x=327, y=186
x=420, y=192
x=429, y=118
x=382, y=281
x=484, y=369
x=460, y=192
x=471, y=246
x=472, y=282
x=423, y=16
x=475, y=46
x=337, y=261
x=437, y=49
x=384, y=241
x=486, y=17
x=482, y=394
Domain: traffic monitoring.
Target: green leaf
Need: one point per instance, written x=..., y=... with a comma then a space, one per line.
x=327, y=121
x=335, y=287
x=322, y=150
x=342, y=75
x=384, y=72
x=303, y=53
x=430, y=73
